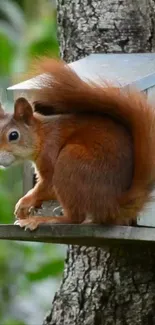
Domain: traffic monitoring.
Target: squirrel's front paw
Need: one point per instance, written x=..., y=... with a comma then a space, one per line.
x=25, y=205
x=22, y=208
x=30, y=223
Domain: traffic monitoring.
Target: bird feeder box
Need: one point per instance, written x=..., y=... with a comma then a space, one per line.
x=123, y=70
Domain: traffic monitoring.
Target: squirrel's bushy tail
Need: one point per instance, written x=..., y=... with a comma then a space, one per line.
x=63, y=92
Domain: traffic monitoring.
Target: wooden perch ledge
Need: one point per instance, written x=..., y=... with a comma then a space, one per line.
x=83, y=235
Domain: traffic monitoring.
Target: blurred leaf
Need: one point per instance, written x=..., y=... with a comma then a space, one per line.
x=53, y=268
x=14, y=14
x=7, y=30
x=14, y=322
x=44, y=40
x=6, y=53
x=6, y=215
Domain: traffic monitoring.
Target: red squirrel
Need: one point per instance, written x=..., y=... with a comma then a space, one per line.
x=94, y=152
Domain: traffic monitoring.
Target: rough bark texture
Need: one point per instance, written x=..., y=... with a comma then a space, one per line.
x=87, y=26
x=106, y=286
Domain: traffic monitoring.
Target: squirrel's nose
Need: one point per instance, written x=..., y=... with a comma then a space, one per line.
x=6, y=158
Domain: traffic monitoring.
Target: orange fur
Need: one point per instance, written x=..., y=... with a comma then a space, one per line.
x=63, y=92
x=95, y=152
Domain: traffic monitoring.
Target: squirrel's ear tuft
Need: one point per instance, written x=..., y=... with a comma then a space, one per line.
x=23, y=110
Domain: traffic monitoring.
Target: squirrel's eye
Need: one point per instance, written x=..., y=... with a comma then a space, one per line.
x=13, y=136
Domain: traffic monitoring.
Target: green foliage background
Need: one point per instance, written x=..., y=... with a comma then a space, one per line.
x=29, y=272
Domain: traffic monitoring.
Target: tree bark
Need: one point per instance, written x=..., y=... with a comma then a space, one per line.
x=106, y=286
x=87, y=26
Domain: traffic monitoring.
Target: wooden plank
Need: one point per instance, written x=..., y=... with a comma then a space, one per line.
x=83, y=235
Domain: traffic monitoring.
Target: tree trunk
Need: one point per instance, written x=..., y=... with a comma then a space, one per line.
x=106, y=286
x=87, y=26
